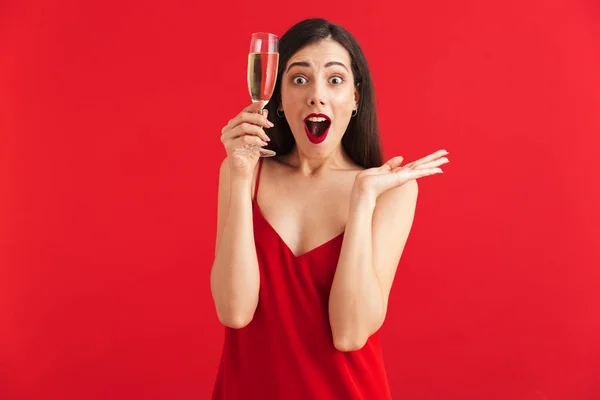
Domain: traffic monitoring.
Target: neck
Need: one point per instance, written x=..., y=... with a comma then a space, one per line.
x=314, y=163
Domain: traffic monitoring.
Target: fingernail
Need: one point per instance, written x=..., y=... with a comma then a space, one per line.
x=264, y=143
x=270, y=124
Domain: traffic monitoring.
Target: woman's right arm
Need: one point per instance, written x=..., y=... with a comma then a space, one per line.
x=234, y=278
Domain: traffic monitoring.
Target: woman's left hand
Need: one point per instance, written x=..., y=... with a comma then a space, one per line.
x=375, y=181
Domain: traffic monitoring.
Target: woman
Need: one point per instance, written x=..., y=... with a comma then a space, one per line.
x=308, y=241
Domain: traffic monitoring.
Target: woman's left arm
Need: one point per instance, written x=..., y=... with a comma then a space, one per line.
x=382, y=208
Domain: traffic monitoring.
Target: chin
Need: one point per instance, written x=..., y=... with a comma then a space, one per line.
x=321, y=150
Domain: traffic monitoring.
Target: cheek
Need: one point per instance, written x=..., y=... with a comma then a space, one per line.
x=288, y=98
x=345, y=98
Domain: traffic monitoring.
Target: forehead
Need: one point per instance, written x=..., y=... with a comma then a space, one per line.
x=320, y=52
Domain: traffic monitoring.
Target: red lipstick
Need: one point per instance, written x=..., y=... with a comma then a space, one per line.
x=317, y=131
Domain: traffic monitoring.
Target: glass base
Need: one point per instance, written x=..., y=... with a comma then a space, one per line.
x=261, y=152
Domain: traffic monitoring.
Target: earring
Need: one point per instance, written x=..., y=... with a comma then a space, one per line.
x=278, y=114
x=354, y=112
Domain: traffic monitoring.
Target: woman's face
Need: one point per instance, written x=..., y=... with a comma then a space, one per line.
x=318, y=96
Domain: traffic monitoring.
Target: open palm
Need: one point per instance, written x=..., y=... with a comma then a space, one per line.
x=392, y=174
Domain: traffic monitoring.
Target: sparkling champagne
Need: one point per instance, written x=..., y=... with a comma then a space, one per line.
x=262, y=75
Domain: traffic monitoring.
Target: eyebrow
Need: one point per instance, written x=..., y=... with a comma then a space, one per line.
x=305, y=64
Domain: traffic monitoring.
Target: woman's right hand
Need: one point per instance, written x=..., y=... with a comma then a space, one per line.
x=245, y=131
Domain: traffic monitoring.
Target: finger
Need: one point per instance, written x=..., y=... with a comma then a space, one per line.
x=267, y=121
x=247, y=141
x=255, y=107
x=245, y=129
x=433, y=164
x=420, y=173
x=393, y=163
x=430, y=157
x=253, y=118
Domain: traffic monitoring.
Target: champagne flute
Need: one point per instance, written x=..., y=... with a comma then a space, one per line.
x=263, y=61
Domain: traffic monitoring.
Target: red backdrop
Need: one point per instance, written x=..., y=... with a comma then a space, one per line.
x=110, y=116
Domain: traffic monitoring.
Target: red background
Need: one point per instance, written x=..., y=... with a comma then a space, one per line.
x=110, y=116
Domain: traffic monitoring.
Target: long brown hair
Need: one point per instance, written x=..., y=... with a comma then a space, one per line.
x=361, y=139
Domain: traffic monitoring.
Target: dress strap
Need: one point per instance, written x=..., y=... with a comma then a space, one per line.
x=260, y=163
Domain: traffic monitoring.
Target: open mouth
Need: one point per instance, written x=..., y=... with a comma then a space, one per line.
x=317, y=127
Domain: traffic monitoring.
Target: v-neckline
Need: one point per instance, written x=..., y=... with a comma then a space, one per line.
x=257, y=207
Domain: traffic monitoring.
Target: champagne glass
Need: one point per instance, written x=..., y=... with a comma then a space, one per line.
x=263, y=61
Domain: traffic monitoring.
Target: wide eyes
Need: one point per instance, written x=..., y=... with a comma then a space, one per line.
x=300, y=80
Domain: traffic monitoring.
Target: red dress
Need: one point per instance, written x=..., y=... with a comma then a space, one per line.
x=286, y=352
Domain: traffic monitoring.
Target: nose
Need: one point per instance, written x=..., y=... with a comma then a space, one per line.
x=317, y=96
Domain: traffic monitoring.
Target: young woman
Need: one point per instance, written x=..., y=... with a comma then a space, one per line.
x=308, y=241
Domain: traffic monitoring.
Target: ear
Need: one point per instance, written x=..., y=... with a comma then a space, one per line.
x=356, y=95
